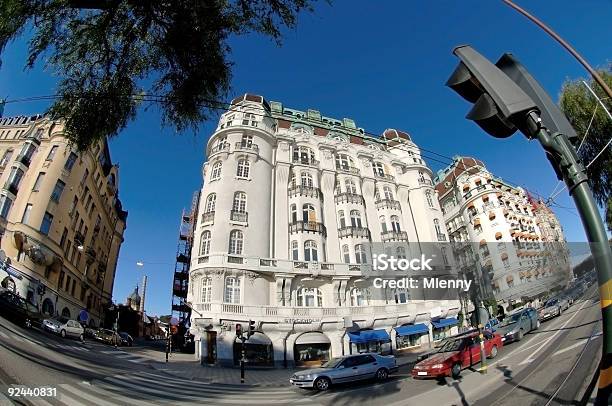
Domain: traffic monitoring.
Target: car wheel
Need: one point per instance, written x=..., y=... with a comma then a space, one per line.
x=81, y=338
x=537, y=325
x=519, y=336
x=322, y=384
x=63, y=333
x=28, y=323
x=456, y=371
x=493, y=352
x=382, y=374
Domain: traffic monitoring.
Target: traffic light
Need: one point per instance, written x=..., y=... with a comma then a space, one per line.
x=238, y=330
x=500, y=105
x=251, y=328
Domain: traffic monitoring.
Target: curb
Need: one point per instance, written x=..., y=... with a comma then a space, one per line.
x=178, y=374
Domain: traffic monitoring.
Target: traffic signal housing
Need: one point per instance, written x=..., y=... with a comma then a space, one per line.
x=251, y=330
x=238, y=330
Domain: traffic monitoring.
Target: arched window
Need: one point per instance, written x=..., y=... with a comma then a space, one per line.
x=310, y=251
x=293, y=181
x=401, y=295
x=360, y=255
x=211, y=201
x=346, y=256
x=344, y=162
x=243, y=168
x=295, y=250
x=306, y=179
x=437, y=226
x=341, y=218
x=309, y=297
x=388, y=193
x=308, y=213
x=236, y=241
x=66, y=312
x=206, y=291
x=240, y=200
x=421, y=177
x=383, y=223
x=395, y=224
x=232, y=290
x=47, y=307
x=303, y=155
x=216, y=171
x=358, y=297
x=350, y=186
x=430, y=202
x=293, y=210
x=205, y=244
x=355, y=218
x=378, y=169
x=401, y=253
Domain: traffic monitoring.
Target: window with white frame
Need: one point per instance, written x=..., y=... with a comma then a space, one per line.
x=344, y=162
x=211, y=201
x=350, y=186
x=355, y=218
x=429, y=198
x=309, y=297
x=444, y=255
x=360, y=254
x=293, y=211
x=383, y=223
x=388, y=193
x=295, y=250
x=401, y=295
x=246, y=141
x=215, y=173
x=310, y=251
x=206, y=290
x=437, y=226
x=309, y=215
x=249, y=119
x=243, y=168
x=346, y=256
x=400, y=253
x=358, y=297
x=306, y=179
x=304, y=155
x=205, y=243
x=232, y=290
x=341, y=218
x=240, y=201
x=395, y=224
x=292, y=183
x=378, y=168
x=236, y=242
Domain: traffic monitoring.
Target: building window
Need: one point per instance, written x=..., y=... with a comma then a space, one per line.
x=444, y=255
x=506, y=262
x=388, y=193
x=70, y=161
x=306, y=179
x=350, y=186
x=360, y=255
x=216, y=171
x=6, y=158
x=5, y=206
x=64, y=237
x=344, y=162
x=211, y=200
x=57, y=191
x=15, y=177
x=295, y=249
x=401, y=253
x=341, y=218
x=437, y=226
x=206, y=291
x=205, y=244
x=430, y=202
x=293, y=210
x=25, y=219
x=309, y=297
x=401, y=296
x=38, y=182
x=421, y=177
x=355, y=218
x=84, y=178
x=345, y=254
x=309, y=213
x=383, y=223
x=232, y=290
x=247, y=140
x=240, y=200
x=358, y=297
x=292, y=183
x=243, y=168
x=303, y=155
x=395, y=224
x=51, y=153
x=310, y=251
x=45, y=226
x=378, y=169
x=236, y=242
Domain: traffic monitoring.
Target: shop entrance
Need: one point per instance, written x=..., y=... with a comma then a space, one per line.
x=258, y=350
x=311, y=349
x=211, y=347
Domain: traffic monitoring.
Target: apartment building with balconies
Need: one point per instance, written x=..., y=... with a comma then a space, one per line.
x=498, y=231
x=292, y=204
x=61, y=220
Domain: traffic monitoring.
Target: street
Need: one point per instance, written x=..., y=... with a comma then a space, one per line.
x=534, y=371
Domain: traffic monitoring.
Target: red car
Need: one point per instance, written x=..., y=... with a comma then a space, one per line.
x=457, y=353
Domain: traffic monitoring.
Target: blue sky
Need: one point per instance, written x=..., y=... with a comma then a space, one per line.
x=384, y=64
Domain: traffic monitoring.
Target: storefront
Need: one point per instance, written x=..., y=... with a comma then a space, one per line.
x=442, y=328
x=311, y=349
x=377, y=341
x=410, y=336
x=258, y=350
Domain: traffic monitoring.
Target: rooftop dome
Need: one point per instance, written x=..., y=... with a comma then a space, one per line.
x=135, y=297
x=252, y=98
x=393, y=134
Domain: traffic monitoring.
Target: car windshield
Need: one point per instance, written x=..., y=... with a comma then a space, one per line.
x=332, y=363
x=513, y=318
x=124, y=335
x=551, y=302
x=60, y=320
x=450, y=345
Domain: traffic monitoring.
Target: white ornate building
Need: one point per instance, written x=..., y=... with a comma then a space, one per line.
x=505, y=228
x=291, y=203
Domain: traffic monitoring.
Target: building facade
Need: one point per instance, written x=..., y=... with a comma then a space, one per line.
x=505, y=231
x=291, y=207
x=61, y=220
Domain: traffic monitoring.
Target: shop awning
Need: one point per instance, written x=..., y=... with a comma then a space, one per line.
x=476, y=222
x=313, y=337
x=441, y=323
x=366, y=336
x=412, y=329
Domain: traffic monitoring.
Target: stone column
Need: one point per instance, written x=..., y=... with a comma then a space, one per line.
x=368, y=190
x=281, y=212
x=328, y=181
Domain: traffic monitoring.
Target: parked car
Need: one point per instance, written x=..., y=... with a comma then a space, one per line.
x=107, y=336
x=456, y=355
x=90, y=332
x=126, y=339
x=517, y=324
x=553, y=308
x=16, y=309
x=348, y=368
x=492, y=324
x=64, y=327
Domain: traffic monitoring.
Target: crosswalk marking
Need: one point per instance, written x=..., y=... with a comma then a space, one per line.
x=83, y=394
x=2, y=334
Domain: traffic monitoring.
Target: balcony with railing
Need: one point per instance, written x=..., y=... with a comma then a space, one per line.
x=388, y=204
x=246, y=146
x=348, y=169
x=308, y=227
x=307, y=191
x=305, y=161
x=348, y=197
x=208, y=217
x=387, y=236
x=384, y=176
x=350, y=231
x=222, y=147
x=441, y=237
x=240, y=216
x=424, y=181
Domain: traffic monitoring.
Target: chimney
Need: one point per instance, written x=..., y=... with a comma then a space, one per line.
x=144, y=294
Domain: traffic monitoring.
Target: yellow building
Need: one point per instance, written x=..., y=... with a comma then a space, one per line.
x=61, y=220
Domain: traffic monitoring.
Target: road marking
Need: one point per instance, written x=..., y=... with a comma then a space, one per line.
x=81, y=393
x=115, y=396
x=531, y=358
x=3, y=334
x=69, y=400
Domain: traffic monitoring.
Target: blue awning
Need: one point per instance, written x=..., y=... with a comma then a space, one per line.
x=440, y=323
x=13, y=272
x=366, y=336
x=412, y=329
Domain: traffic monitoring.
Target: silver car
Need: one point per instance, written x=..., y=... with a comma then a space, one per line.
x=552, y=308
x=349, y=368
x=64, y=327
x=517, y=324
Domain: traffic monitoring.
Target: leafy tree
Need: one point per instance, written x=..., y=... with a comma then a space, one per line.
x=578, y=104
x=109, y=54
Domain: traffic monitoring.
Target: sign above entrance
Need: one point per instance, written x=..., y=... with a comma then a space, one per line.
x=301, y=321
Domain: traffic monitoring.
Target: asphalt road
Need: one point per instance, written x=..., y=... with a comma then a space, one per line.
x=539, y=370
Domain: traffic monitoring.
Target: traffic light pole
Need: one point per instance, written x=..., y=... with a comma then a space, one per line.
x=563, y=157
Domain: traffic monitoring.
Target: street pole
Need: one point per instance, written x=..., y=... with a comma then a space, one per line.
x=574, y=174
x=242, y=359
